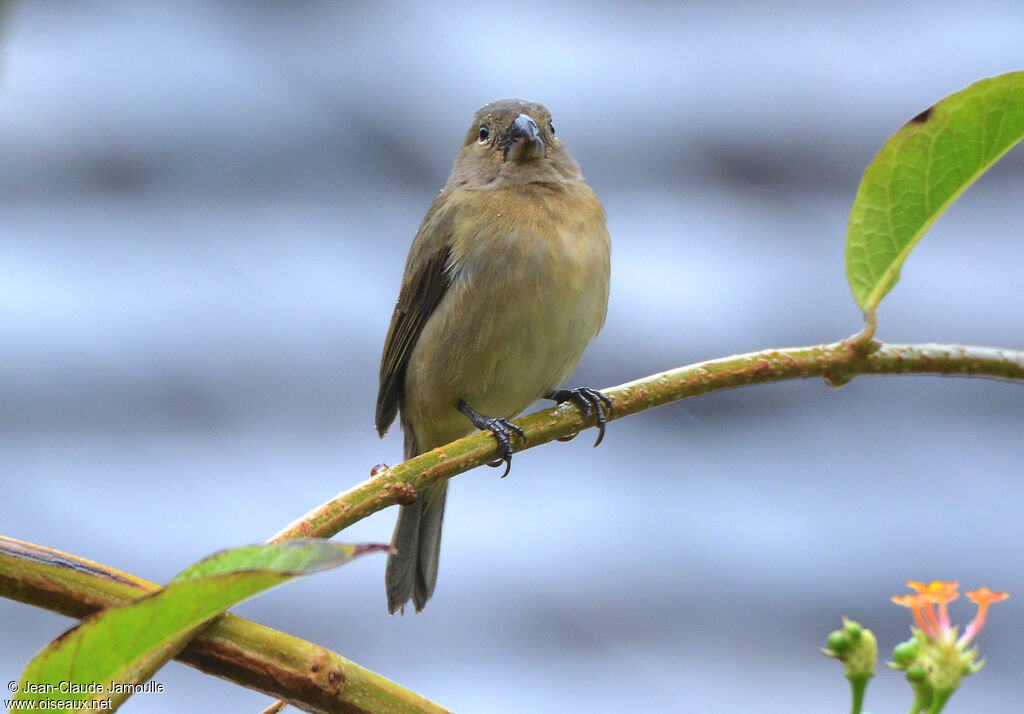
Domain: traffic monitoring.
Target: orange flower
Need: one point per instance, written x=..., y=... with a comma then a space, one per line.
x=941, y=593
x=916, y=603
x=983, y=597
x=937, y=592
x=934, y=654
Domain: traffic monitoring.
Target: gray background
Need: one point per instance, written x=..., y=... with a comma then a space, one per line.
x=204, y=212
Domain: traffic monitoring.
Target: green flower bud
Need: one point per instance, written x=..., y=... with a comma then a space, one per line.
x=838, y=642
x=862, y=656
x=916, y=673
x=905, y=653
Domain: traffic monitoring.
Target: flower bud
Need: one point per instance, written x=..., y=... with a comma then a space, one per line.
x=838, y=643
x=904, y=654
x=856, y=648
x=916, y=673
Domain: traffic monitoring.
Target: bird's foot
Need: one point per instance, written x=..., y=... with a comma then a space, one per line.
x=502, y=428
x=588, y=400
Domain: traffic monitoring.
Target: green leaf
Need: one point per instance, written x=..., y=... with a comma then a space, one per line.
x=291, y=557
x=126, y=645
x=920, y=171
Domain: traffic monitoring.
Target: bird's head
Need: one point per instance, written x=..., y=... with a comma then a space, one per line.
x=512, y=141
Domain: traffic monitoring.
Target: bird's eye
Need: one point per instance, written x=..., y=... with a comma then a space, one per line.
x=551, y=128
x=484, y=135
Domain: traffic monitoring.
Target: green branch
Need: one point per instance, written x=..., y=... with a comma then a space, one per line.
x=278, y=664
x=837, y=363
x=255, y=656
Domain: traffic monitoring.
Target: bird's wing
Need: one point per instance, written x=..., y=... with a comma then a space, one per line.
x=424, y=284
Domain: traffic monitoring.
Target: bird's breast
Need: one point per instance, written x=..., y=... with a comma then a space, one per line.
x=529, y=272
x=546, y=236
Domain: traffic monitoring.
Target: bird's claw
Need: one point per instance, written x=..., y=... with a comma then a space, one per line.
x=588, y=400
x=502, y=428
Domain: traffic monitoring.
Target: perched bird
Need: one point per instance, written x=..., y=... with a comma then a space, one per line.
x=505, y=285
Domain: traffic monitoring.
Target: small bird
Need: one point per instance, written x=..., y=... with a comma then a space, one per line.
x=505, y=285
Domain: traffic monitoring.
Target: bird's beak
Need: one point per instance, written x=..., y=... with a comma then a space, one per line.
x=524, y=140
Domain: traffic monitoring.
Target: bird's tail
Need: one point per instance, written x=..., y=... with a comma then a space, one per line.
x=412, y=571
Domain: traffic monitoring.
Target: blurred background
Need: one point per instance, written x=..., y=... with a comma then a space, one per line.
x=205, y=208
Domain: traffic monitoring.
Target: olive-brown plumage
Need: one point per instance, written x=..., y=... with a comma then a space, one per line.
x=505, y=285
